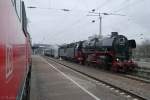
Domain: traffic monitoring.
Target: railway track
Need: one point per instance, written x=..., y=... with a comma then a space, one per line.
x=129, y=93
x=134, y=77
x=128, y=75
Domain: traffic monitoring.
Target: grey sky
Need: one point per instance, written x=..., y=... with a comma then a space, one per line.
x=53, y=26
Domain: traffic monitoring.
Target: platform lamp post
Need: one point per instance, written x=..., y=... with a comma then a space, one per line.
x=99, y=14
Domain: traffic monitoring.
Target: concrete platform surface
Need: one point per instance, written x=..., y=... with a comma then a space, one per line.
x=51, y=81
x=48, y=84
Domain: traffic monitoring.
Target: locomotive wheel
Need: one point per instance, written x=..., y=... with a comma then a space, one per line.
x=86, y=63
x=81, y=62
x=95, y=65
x=114, y=68
x=107, y=66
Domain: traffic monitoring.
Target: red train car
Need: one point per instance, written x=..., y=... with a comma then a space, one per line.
x=15, y=52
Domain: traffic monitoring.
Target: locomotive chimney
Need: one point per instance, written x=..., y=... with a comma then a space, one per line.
x=113, y=34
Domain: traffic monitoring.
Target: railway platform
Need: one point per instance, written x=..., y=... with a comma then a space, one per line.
x=51, y=81
x=49, y=84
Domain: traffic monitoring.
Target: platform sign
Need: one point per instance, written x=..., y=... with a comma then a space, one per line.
x=9, y=61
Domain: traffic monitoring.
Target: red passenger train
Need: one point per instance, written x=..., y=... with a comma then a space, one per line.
x=15, y=51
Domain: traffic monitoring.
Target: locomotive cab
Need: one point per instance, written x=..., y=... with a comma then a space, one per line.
x=132, y=44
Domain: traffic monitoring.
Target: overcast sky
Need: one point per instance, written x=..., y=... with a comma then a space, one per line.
x=48, y=24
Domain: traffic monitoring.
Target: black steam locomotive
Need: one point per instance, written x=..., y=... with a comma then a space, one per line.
x=114, y=52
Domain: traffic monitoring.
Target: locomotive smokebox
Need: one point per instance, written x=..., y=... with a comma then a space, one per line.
x=113, y=34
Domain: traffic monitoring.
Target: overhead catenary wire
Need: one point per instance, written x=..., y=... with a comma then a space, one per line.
x=66, y=29
x=102, y=5
x=125, y=7
x=110, y=3
x=79, y=29
x=75, y=23
x=69, y=27
x=129, y=5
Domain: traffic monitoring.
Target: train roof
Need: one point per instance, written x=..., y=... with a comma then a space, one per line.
x=71, y=44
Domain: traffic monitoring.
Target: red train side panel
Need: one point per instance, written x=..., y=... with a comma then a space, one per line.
x=13, y=52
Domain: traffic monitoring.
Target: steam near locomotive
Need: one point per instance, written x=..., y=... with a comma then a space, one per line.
x=52, y=51
x=114, y=52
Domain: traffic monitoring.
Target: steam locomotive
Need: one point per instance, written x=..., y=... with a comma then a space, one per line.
x=15, y=51
x=114, y=52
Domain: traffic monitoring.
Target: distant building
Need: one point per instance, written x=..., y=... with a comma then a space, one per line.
x=39, y=49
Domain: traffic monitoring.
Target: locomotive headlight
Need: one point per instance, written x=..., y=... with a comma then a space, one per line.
x=117, y=59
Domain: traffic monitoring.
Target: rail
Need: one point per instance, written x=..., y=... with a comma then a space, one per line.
x=102, y=81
